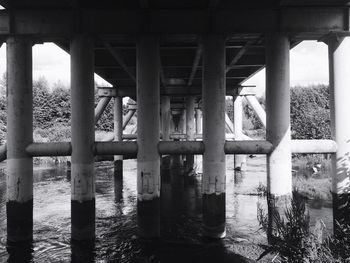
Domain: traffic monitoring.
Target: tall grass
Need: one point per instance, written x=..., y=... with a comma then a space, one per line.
x=292, y=239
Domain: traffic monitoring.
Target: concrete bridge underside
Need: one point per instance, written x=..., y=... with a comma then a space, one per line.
x=160, y=53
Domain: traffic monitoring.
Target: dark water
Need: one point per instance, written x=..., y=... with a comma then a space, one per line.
x=116, y=231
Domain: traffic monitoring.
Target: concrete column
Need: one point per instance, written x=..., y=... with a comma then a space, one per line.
x=83, y=137
x=198, y=121
x=239, y=159
x=190, y=130
x=166, y=116
x=118, y=136
x=279, y=166
x=19, y=206
x=339, y=81
x=165, y=123
x=214, y=165
x=148, y=160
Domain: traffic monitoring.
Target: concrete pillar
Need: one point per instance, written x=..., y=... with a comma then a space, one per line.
x=279, y=166
x=198, y=121
x=239, y=159
x=19, y=203
x=148, y=160
x=118, y=136
x=165, y=123
x=339, y=81
x=83, y=137
x=214, y=165
x=190, y=130
x=166, y=116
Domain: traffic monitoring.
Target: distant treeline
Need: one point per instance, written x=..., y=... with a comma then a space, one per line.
x=310, y=117
x=52, y=108
x=309, y=112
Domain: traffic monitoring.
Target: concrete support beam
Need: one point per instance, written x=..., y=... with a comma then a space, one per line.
x=279, y=163
x=19, y=201
x=83, y=138
x=166, y=117
x=118, y=137
x=3, y=152
x=258, y=109
x=307, y=22
x=148, y=160
x=240, y=160
x=199, y=121
x=101, y=106
x=214, y=159
x=190, y=130
x=339, y=81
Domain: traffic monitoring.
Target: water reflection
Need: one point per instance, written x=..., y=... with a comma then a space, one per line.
x=116, y=229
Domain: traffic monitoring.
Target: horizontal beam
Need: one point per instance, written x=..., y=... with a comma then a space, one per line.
x=174, y=91
x=313, y=146
x=65, y=23
x=180, y=147
x=248, y=147
x=41, y=149
x=115, y=148
x=176, y=147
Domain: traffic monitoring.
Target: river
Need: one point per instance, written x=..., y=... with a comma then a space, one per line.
x=116, y=230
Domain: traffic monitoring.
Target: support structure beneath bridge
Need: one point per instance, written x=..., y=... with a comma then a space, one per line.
x=170, y=59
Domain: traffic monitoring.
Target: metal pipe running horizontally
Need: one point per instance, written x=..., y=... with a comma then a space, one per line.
x=313, y=146
x=180, y=147
x=248, y=147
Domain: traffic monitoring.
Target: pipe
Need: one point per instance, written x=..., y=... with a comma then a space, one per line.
x=115, y=148
x=180, y=147
x=41, y=149
x=248, y=147
x=314, y=146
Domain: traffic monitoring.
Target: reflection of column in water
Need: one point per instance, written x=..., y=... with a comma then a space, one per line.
x=68, y=170
x=190, y=198
x=83, y=252
x=238, y=177
x=165, y=191
x=177, y=188
x=21, y=252
x=118, y=186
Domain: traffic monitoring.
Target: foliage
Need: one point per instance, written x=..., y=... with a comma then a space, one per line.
x=292, y=240
x=310, y=116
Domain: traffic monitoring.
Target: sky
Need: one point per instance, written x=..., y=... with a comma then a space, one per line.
x=308, y=65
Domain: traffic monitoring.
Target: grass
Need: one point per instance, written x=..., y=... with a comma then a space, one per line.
x=292, y=240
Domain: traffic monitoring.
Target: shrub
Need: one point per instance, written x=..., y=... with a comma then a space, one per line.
x=291, y=239
x=310, y=116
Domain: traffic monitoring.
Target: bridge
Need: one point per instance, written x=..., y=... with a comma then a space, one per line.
x=163, y=53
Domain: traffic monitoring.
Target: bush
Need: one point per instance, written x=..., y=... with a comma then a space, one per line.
x=291, y=239
x=310, y=115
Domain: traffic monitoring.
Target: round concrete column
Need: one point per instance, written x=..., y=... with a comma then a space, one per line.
x=214, y=165
x=148, y=160
x=190, y=130
x=198, y=121
x=166, y=116
x=118, y=136
x=239, y=159
x=165, y=123
x=339, y=81
x=279, y=166
x=19, y=206
x=83, y=138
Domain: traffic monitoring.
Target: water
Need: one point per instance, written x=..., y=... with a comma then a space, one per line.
x=116, y=230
